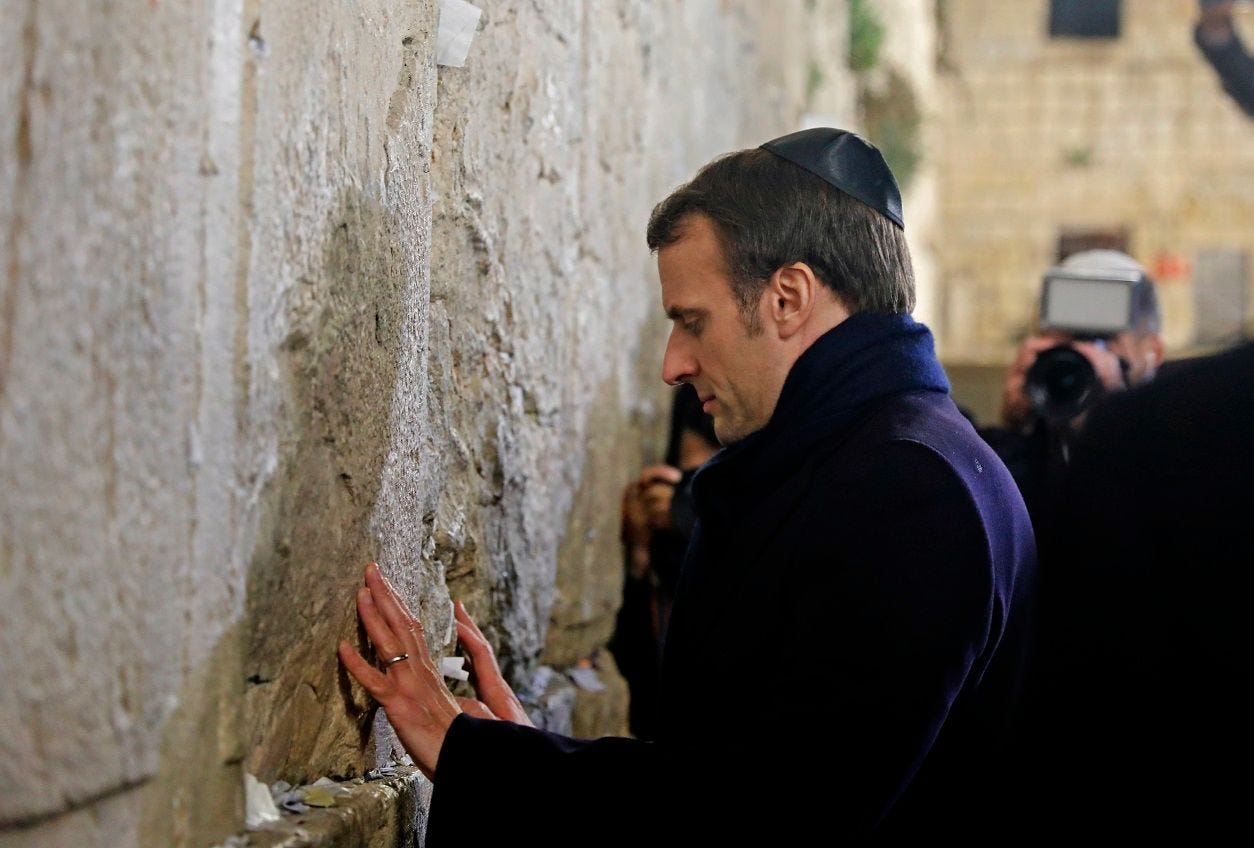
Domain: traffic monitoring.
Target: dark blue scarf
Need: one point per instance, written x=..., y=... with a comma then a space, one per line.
x=833, y=384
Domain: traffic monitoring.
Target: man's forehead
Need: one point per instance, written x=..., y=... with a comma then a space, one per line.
x=688, y=292
x=691, y=269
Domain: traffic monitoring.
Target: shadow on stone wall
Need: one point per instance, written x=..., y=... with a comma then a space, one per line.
x=339, y=360
x=197, y=796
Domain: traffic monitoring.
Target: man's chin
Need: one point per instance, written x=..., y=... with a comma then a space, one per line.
x=727, y=434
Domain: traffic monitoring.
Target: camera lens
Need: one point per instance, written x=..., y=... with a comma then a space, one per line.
x=1061, y=383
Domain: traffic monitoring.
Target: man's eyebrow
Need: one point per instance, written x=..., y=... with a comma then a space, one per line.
x=680, y=313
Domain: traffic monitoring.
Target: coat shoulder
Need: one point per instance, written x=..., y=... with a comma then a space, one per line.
x=919, y=445
x=929, y=420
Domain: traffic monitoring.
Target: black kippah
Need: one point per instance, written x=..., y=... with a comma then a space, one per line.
x=847, y=161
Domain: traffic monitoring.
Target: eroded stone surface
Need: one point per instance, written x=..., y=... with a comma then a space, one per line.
x=339, y=259
x=118, y=419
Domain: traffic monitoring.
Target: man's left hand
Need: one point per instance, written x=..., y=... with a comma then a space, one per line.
x=411, y=690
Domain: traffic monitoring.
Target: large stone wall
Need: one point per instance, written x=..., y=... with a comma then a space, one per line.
x=1037, y=135
x=280, y=296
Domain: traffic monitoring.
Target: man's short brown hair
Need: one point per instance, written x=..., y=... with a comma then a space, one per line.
x=768, y=212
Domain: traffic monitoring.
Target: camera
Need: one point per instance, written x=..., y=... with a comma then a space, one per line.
x=1088, y=305
x=1061, y=384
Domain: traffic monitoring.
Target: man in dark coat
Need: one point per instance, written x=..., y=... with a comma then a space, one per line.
x=1146, y=628
x=846, y=644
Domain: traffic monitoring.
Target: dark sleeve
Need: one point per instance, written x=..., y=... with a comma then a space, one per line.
x=1147, y=586
x=1098, y=705
x=497, y=781
x=1235, y=67
x=894, y=612
x=888, y=610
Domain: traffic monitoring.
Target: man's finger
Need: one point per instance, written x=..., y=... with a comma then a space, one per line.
x=659, y=474
x=468, y=633
x=485, y=675
x=1031, y=347
x=371, y=679
x=462, y=615
x=398, y=617
x=658, y=490
x=1105, y=363
x=469, y=636
x=480, y=651
x=386, y=643
x=659, y=497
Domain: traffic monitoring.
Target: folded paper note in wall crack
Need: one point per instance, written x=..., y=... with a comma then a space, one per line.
x=458, y=22
x=453, y=667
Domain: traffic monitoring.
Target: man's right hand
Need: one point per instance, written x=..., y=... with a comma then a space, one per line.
x=496, y=699
x=1016, y=408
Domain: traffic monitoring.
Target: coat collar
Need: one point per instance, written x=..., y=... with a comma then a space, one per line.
x=834, y=384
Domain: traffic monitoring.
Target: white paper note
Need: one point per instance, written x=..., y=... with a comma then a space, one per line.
x=458, y=22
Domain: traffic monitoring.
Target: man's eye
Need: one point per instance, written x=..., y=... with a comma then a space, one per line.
x=693, y=327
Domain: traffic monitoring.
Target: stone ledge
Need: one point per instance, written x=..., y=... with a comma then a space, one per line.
x=375, y=814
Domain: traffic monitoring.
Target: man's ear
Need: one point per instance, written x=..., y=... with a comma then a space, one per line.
x=1156, y=348
x=791, y=293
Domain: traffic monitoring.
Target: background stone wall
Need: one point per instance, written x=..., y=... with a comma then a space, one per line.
x=280, y=296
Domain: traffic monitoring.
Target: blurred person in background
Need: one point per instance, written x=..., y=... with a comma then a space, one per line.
x=1141, y=728
x=1099, y=332
x=657, y=524
x=1219, y=42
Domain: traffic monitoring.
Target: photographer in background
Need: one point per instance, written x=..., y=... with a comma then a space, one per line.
x=1099, y=332
x=657, y=522
x=1217, y=38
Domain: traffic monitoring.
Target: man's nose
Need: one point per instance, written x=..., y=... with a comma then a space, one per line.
x=677, y=364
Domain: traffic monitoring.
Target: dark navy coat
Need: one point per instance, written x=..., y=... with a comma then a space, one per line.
x=846, y=642
x=1144, y=717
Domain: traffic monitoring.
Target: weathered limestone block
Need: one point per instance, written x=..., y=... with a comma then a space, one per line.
x=340, y=261
x=117, y=419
